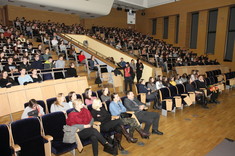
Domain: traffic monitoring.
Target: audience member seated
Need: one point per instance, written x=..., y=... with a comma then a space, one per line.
x=25, y=64
x=100, y=114
x=165, y=81
x=10, y=66
x=2, y=57
x=93, y=63
x=49, y=64
x=37, y=64
x=35, y=76
x=82, y=57
x=151, y=84
x=6, y=81
x=81, y=118
x=32, y=110
x=116, y=108
x=46, y=54
x=183, y=78
x=159, y=83
x=71, y=71
x=60, y=104
x=105, y=95
x=60, y=63
x=71, y=97
x=24, y=79
x=200, y=96
x=210, y=90
x=172, y=81
x=88, y=97
x=54, y=43
x=149, y=118
x=150, y=95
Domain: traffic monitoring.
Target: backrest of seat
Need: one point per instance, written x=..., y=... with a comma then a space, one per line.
x=173, y=90
x=207, y=81
x=194, y=85
x=180, y=88
x=49, y=103
x=27, y=134
x=123, y=98
x=5, y=149
x=53, y=125
x=40, y=102
x=165, y=93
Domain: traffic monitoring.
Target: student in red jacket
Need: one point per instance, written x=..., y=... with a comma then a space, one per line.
x=81, y=118
x=82, y=57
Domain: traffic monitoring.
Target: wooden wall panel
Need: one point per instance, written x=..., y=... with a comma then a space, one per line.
x=33, y=14
x=172, y=29
x=202, y=32
x=160, y=26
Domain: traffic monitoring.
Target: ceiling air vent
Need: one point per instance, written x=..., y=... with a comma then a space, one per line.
x=42, y=6
x=66, y=10
x=50, y=10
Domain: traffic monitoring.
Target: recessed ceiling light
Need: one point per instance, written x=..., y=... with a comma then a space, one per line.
x=88, y=13
x=66, y=10
x=42, y=6
x=50, y=10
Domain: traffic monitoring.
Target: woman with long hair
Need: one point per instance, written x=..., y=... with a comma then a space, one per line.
x=88, y=97
x=81, y=118
x=60, y=104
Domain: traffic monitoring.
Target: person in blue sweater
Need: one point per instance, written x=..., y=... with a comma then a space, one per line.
x=116, y=108
x=24, y=79
x=150, y=95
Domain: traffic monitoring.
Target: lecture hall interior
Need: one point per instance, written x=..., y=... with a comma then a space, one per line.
x=117, y=77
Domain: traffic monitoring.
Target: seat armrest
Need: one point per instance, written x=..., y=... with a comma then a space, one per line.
x=115, y=117
x=97, y=123
x=191, y=92
x=16, y=148
x=48, y=137
x=130, y=112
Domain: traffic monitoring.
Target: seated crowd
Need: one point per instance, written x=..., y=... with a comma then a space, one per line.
x=111, y=111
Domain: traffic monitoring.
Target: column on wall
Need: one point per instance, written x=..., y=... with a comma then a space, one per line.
x=202, y=32
x=184, y=29
x=221, y=32
x=160, y=27
x=172, y=29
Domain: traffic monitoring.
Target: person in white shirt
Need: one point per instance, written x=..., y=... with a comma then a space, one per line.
x=60, y=104
x=54, y=43
x=159, y=84
x=24, y=79
x=32, y=107
x=60, y=63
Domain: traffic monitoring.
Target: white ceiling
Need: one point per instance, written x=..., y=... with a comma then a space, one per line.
x=85, y=8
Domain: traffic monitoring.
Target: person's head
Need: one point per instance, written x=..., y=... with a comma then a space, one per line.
x=50, y=59
x=121, y=59
x=36, y=57
x=4, y=74
x=22, y=71
x=72, y=65
x=159, y=78
x=61, y=57
x=132, y=61
x=10, y=60
x=184, y=75
x=25, y=59
x=88, y=93
x=193, y=72
x=115, y=97
x=138, y=60
x=60, y=99
x=78, y=104
x=200, y=77
x=127, y=64
x=142, y=81
x=130, y=95
x=34, y=71
x=47, y=50
x=72, y=96
x=105, y=91
x=96, y=104
x=172, y=78
x=151, y=80
x=32, y=103
x=81, y=52
x=93, y=57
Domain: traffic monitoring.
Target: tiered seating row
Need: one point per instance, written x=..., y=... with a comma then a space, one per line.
x=13, y=99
